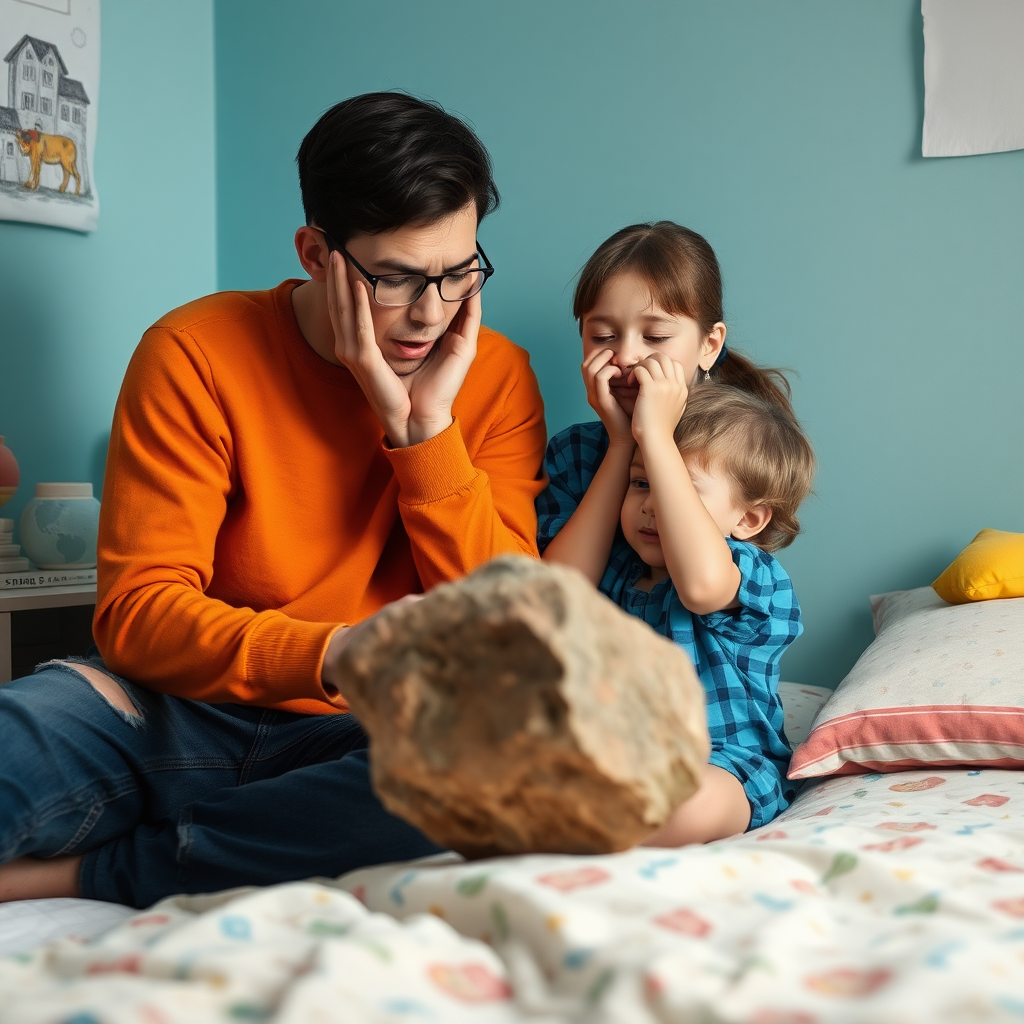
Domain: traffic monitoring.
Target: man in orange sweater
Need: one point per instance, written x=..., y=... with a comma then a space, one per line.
x=282, y=464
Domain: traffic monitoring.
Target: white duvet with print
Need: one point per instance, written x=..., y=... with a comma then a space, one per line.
x=881, y=898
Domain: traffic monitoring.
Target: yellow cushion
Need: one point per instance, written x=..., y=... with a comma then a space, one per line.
x=992, y=565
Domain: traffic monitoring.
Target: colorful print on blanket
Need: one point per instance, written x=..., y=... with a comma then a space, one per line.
x=882, y=897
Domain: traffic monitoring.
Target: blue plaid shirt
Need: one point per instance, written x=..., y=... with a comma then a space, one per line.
x=736, y=652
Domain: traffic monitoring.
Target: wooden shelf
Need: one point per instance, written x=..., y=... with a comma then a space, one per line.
x=23, y=598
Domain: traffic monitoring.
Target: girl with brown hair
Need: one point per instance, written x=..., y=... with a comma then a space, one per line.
x=671, y=503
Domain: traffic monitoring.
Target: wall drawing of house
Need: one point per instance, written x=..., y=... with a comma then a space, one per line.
x=9, y=152
x=40, y=96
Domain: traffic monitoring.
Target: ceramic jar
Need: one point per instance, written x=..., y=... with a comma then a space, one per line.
x=59, y=526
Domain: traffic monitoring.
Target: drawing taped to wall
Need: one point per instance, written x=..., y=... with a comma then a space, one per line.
x=48, y=111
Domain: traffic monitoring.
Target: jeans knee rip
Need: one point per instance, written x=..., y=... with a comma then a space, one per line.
x=184, y=831
x=107, y=685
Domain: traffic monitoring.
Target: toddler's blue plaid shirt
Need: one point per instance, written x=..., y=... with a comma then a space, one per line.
x=736, y=652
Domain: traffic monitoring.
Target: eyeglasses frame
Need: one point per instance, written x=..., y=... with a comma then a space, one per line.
x=428, y=279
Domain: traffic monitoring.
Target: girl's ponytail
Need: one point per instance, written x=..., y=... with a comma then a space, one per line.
x=764, y=382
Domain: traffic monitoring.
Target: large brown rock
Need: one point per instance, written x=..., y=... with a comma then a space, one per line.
x=520, y=711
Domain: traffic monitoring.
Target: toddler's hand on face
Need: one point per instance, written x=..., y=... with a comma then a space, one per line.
x=598, y=373
x=662, y=397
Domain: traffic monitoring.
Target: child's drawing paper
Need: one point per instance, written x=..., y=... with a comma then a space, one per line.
x=973, y=76
x=49, y=99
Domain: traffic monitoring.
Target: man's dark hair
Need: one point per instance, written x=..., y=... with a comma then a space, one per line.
x=378, y=161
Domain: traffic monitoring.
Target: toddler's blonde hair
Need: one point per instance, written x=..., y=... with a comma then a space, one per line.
x=760, y=445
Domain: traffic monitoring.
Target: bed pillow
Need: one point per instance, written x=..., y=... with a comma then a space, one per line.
x=991, y=566
x=940, y=685
x=800, y=705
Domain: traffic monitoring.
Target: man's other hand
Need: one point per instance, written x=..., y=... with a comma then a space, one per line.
x=434, y=385
x=331, y=677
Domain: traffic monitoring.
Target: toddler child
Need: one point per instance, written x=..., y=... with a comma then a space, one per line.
x=673, y=501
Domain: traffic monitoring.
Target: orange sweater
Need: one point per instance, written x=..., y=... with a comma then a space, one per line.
x=250, y=505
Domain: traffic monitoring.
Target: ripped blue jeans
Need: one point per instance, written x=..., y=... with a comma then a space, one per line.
x=183, y=796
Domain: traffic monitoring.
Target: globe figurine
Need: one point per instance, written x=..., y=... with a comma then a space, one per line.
x=59, y=526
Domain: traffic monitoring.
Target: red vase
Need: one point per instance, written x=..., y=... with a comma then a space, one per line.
x=10, y=474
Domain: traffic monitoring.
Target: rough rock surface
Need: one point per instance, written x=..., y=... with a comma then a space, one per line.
x=520, y=711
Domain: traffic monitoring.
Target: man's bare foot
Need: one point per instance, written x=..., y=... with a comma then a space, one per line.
x=29, y=878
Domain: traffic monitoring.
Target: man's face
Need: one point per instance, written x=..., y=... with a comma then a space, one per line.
x=406, y=335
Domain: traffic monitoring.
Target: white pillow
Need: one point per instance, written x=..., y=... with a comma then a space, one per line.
x=940, y=685
x=800, y=704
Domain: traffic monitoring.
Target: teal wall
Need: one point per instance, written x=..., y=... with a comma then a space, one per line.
x=789, y=134
x=74, y=305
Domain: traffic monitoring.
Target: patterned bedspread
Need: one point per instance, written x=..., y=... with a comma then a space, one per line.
x=881, y=898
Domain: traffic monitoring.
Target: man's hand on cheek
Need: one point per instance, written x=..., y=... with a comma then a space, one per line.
x=433, y=387
x=355, y=345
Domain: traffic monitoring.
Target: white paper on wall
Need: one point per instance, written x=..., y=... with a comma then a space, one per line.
x=49, y=100
x=973, y=76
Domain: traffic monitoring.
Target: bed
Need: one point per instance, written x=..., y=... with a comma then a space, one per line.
x=881, y=896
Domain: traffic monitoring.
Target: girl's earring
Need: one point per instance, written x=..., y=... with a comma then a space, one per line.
x=707, y=376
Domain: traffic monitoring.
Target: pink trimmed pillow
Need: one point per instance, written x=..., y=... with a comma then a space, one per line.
x=940, y=685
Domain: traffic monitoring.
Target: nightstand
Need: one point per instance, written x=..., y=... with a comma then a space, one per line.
x=33, y=599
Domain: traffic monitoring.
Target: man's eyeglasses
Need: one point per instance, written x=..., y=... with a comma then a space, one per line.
x=405, y=289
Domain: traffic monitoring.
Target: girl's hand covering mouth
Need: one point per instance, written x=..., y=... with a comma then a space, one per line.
x=599, y=376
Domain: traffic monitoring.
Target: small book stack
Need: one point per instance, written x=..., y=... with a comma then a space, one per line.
x=11, y=560
x=16, y=572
